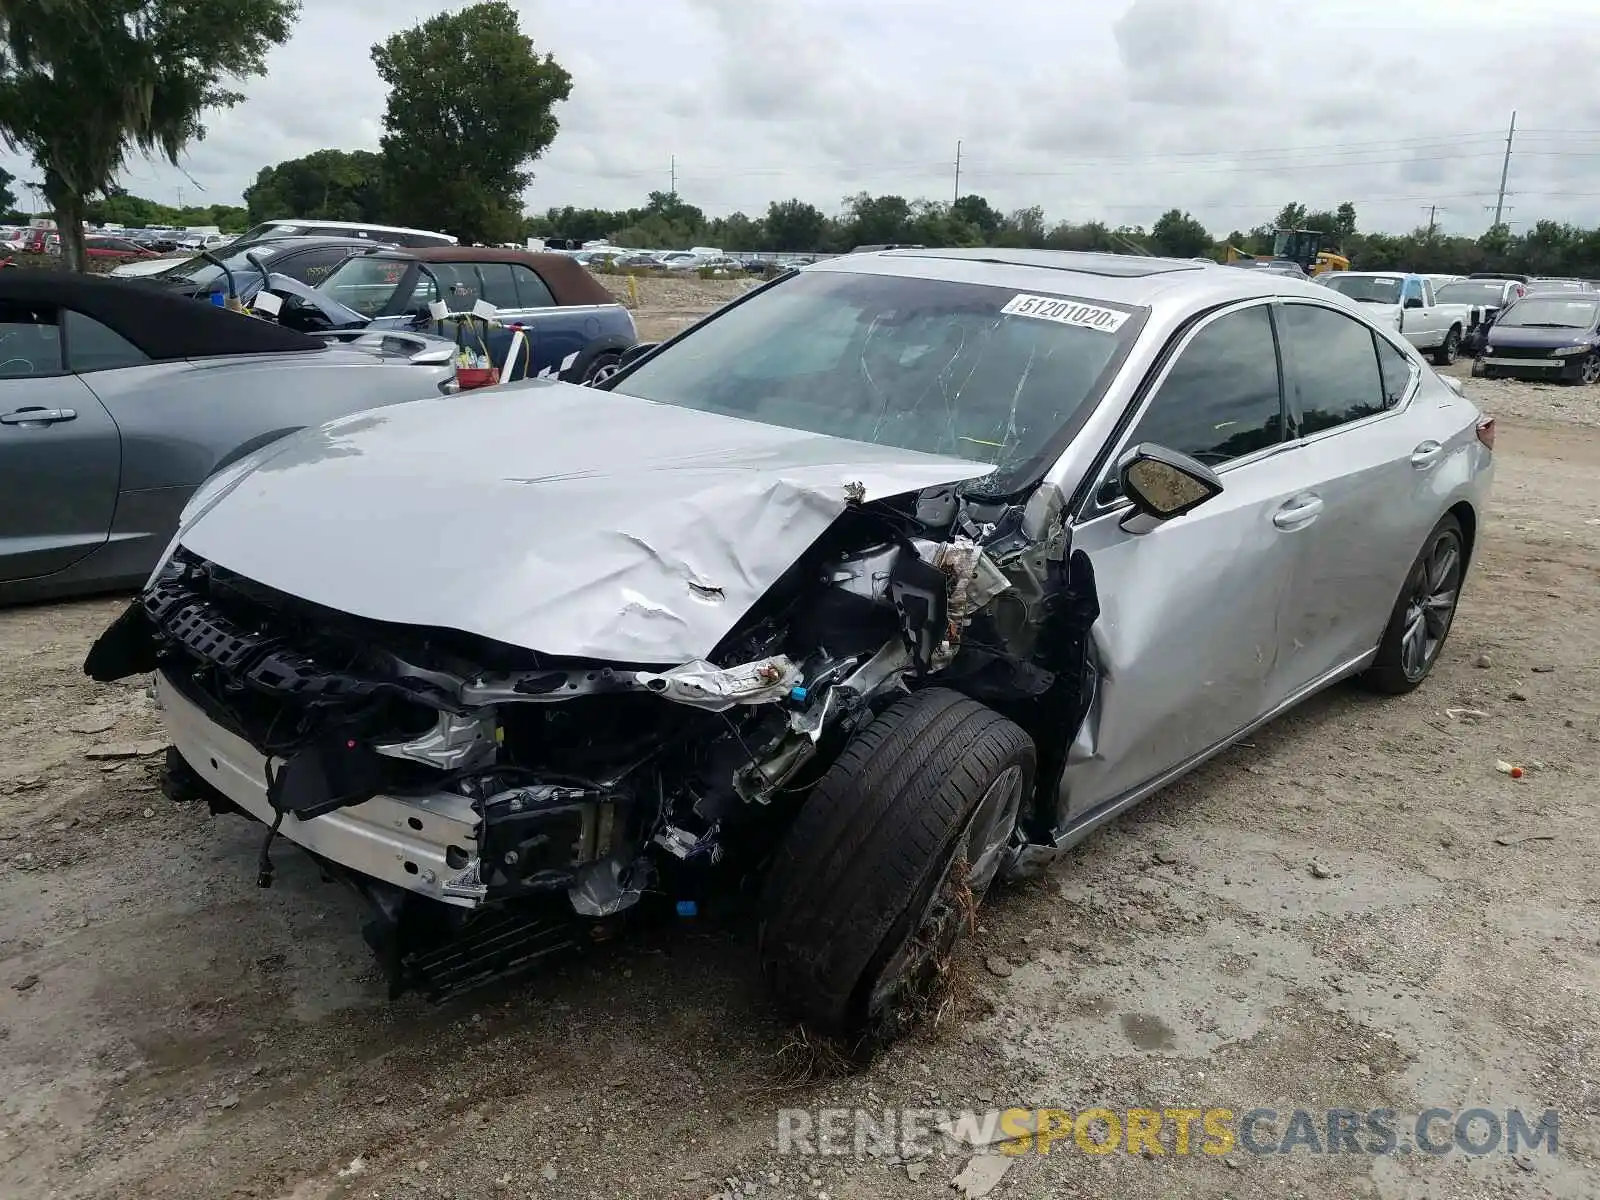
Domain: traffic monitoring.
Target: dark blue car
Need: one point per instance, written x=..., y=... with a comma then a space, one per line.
x=573, y=328
x=1545, y=336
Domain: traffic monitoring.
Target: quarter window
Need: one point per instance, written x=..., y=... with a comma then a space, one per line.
x=532, y=291
x=1331, y=367
x=30, y=341
x=1396, y=370
x=92, y=346
x=1221, y=400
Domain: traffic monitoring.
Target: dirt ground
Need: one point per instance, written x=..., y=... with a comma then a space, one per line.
x=1338, y=913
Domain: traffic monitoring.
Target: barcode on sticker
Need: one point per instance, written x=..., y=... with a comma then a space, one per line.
x=1065, y=312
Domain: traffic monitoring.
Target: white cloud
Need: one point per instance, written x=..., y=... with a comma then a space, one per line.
x=1117, y=110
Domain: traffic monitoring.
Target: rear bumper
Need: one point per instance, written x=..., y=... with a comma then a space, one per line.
x=410, y=842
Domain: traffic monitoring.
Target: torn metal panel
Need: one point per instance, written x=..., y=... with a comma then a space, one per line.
x=572, y=521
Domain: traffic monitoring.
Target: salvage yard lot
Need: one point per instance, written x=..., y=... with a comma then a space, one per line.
x=1355, y=909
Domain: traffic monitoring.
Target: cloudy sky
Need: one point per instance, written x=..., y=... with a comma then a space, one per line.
x=1117, y=109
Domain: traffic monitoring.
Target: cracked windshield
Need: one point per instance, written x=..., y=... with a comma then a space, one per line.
x=920, y=364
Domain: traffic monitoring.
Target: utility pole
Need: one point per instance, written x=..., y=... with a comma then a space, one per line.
x=1433, y=209
x=958, y=168
x=672, y=188
x=1505, y=169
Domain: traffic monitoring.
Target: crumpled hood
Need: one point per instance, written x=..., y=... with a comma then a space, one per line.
x=561, y=518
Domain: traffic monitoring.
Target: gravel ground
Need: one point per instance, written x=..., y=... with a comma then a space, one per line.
x=1338, y=913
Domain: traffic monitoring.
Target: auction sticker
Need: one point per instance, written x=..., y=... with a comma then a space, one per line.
x=1065, y=312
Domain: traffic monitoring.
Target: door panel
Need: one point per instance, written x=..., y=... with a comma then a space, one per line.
x=58, y=477
x=1346, y=390
x=1188, y=635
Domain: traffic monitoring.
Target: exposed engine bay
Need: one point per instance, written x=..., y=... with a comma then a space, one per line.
x=578, y=784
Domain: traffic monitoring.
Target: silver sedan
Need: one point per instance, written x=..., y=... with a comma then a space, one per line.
x=894, y=577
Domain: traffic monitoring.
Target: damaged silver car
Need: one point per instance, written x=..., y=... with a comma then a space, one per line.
x=892, y=578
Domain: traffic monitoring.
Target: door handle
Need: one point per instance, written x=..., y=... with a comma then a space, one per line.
x=38, y=416
x=1298, y=511
x=1426, y=454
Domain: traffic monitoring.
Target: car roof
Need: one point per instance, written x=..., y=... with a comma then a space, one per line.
x=300, y=241
x=354, y=225
x=1119, y=278
x=164, y=325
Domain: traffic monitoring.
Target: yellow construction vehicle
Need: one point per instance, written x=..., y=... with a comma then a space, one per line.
x=1302, y=247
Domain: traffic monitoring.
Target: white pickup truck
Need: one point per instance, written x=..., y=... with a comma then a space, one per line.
x=1411, y=307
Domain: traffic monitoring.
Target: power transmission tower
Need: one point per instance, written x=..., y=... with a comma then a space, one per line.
x=672, y=187
x=1505, y=169
x=958, y=169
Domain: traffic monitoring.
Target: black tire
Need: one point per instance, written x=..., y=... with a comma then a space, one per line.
x=601, y=366
x=1589, y=371
x=867, y=891
x=1396, y=670
x=1449, y=349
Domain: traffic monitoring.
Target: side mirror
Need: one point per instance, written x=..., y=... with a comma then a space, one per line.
x=636, y=351
x=1163, y=483
x=1413, y=302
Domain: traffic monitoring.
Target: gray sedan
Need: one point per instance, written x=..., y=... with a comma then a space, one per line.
x=117, y=400
x=893, y=578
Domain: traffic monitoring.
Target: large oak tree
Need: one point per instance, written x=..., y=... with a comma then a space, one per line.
x=471, y=104
x=84, y=83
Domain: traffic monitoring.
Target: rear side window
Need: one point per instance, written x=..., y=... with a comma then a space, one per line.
x=1221, y=399
x=499, y=287
x=1330, y=367
x=30, y=341
x=92, y=346
x=532, y=292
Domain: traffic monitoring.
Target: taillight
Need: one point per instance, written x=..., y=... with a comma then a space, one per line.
x=1486, y=432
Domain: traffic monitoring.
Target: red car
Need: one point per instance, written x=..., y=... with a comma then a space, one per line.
x=115, y=247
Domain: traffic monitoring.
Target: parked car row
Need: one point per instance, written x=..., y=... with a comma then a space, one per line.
x=1519, y=326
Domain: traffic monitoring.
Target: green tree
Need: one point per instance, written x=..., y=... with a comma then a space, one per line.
x=8, y=198
x=335, y=185
x=977, y=212
x=1178, y=235
x=795, y=226
x=471, y=104
x=1291, y=216
x=874, y=220
x=84, y=83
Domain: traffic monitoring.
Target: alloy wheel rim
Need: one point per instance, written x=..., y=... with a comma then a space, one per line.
x=953, y=903
x=1590, y=371
x=1433, y=589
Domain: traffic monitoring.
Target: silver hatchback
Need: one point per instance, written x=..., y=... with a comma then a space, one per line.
x=892, y=578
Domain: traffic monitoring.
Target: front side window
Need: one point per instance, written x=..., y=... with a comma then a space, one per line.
x=1221, y=399
x=1330, y=367
x=973, y=371
x=1412, y=290
x=30, y=340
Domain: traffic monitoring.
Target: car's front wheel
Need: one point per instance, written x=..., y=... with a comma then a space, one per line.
x=1589, y=370
x=1449, y=349
x=887, y=861
x=1422, y=615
